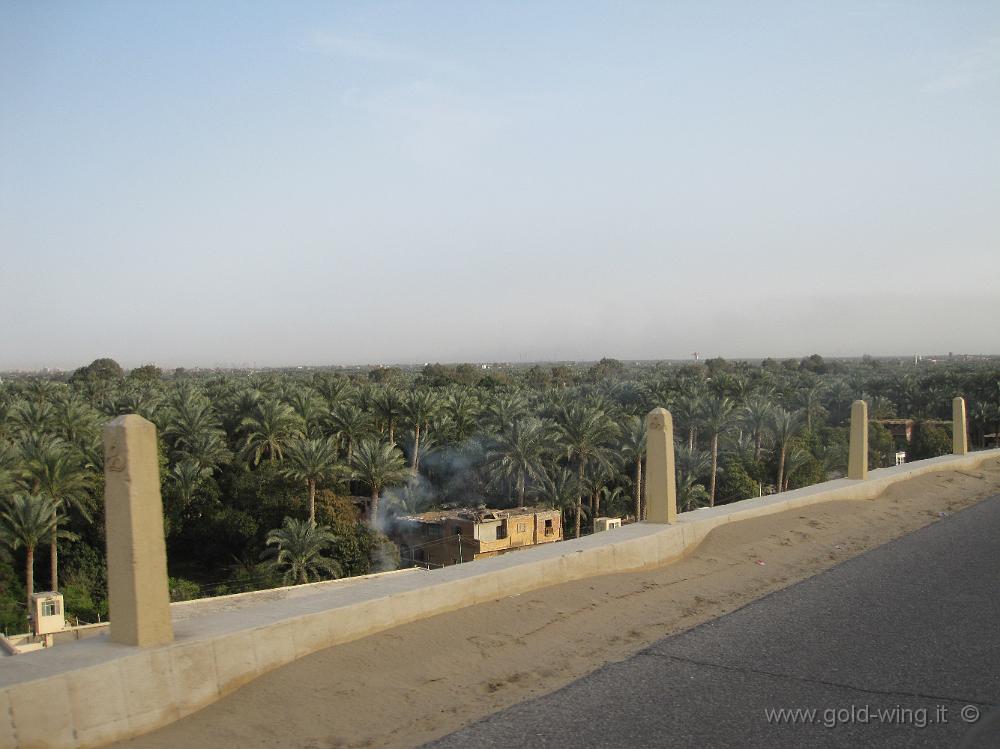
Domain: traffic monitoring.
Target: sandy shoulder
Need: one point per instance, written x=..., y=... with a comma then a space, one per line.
x=411, y=684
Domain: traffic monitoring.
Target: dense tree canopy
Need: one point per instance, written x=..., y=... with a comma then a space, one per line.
x=295, y=461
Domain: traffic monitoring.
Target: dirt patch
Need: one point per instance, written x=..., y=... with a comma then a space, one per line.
x=411, y=684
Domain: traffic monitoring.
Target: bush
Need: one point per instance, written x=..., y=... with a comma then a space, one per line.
x=79, y=604
x=184, y=590
x=811, y=472
x=384, y=555
x=881, y=446
x=735, y=482
x=928, y=441
x=13, y=619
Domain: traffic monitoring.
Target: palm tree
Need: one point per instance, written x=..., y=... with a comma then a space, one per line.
x=633, y=451
x=241, y=405
x=27, y=520
x=33, y=446
x=717, y=415
x=334, y=388
x=378, y=465
x=560, y=490
x=797, y=458
x=757, y=413
x=613, y=500
x=409, y=499
x=981, y=416
x=694, y=463
x=741, y=446
x=269, y=430
x=517, y=454
x=388, y=405
x=879, y=407
x=312, y=461
x=839, y=398
x=598, y=479
x=688, y=409
x=188, y=476
x=586, y=434
x=427, y=444
x=659, y=394
x=9, y=459
x=33, y=416
x=298, y=548
x=144, y=401
x=41, y=390
x=503, y=410
x=785, y=425
x=809, y=399
x=306, y=403
x=419, y=408
x=207, y=448
x=350, y=424
x=690, y=494
x=193, y=429
x=76, y=421
x=57, y=474
x=463, y=408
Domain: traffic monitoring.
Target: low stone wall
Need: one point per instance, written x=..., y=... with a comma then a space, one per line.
x=92, y=692
x=81, y=632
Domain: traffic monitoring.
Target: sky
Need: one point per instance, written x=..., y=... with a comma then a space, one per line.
x=231, y=183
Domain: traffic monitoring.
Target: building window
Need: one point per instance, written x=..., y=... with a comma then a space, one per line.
x=522, y=527
x=549, y=530
x=501, y=531
x=50, y=608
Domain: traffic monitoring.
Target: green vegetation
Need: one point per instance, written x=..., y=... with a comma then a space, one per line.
x=299, y=550
x=290, y=475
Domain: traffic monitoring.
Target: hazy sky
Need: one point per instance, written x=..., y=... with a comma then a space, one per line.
x=288, y=183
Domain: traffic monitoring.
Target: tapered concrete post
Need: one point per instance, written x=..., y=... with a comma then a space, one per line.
x=959, y=427
x=857, y=464
x=138, y=592
x=661, y=481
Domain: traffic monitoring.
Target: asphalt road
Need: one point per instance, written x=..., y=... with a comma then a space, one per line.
x=911, y=629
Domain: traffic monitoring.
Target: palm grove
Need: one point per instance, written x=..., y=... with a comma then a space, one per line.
x=263, y=473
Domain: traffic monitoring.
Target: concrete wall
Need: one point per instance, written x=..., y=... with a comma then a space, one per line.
x=555, y=532
x=92, y=692
x=533, y=524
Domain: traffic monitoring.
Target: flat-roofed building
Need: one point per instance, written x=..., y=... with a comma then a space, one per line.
x=443, y=537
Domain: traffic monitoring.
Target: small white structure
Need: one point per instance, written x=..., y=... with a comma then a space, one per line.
x=900, y=457
x=48, y=614
x=606, y=524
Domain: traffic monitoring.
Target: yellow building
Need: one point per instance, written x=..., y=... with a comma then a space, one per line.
x=443, y=537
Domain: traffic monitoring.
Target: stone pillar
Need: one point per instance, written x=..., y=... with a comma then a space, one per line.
x=661, y=481
x=138, y=592
x=857, y=465
x=959, y=427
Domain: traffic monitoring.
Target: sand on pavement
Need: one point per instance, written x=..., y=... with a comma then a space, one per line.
x=414, y=683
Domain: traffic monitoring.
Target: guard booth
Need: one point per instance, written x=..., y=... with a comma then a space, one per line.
x=48, y=614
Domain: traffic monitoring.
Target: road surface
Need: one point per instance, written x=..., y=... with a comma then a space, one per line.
x=897, y=647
